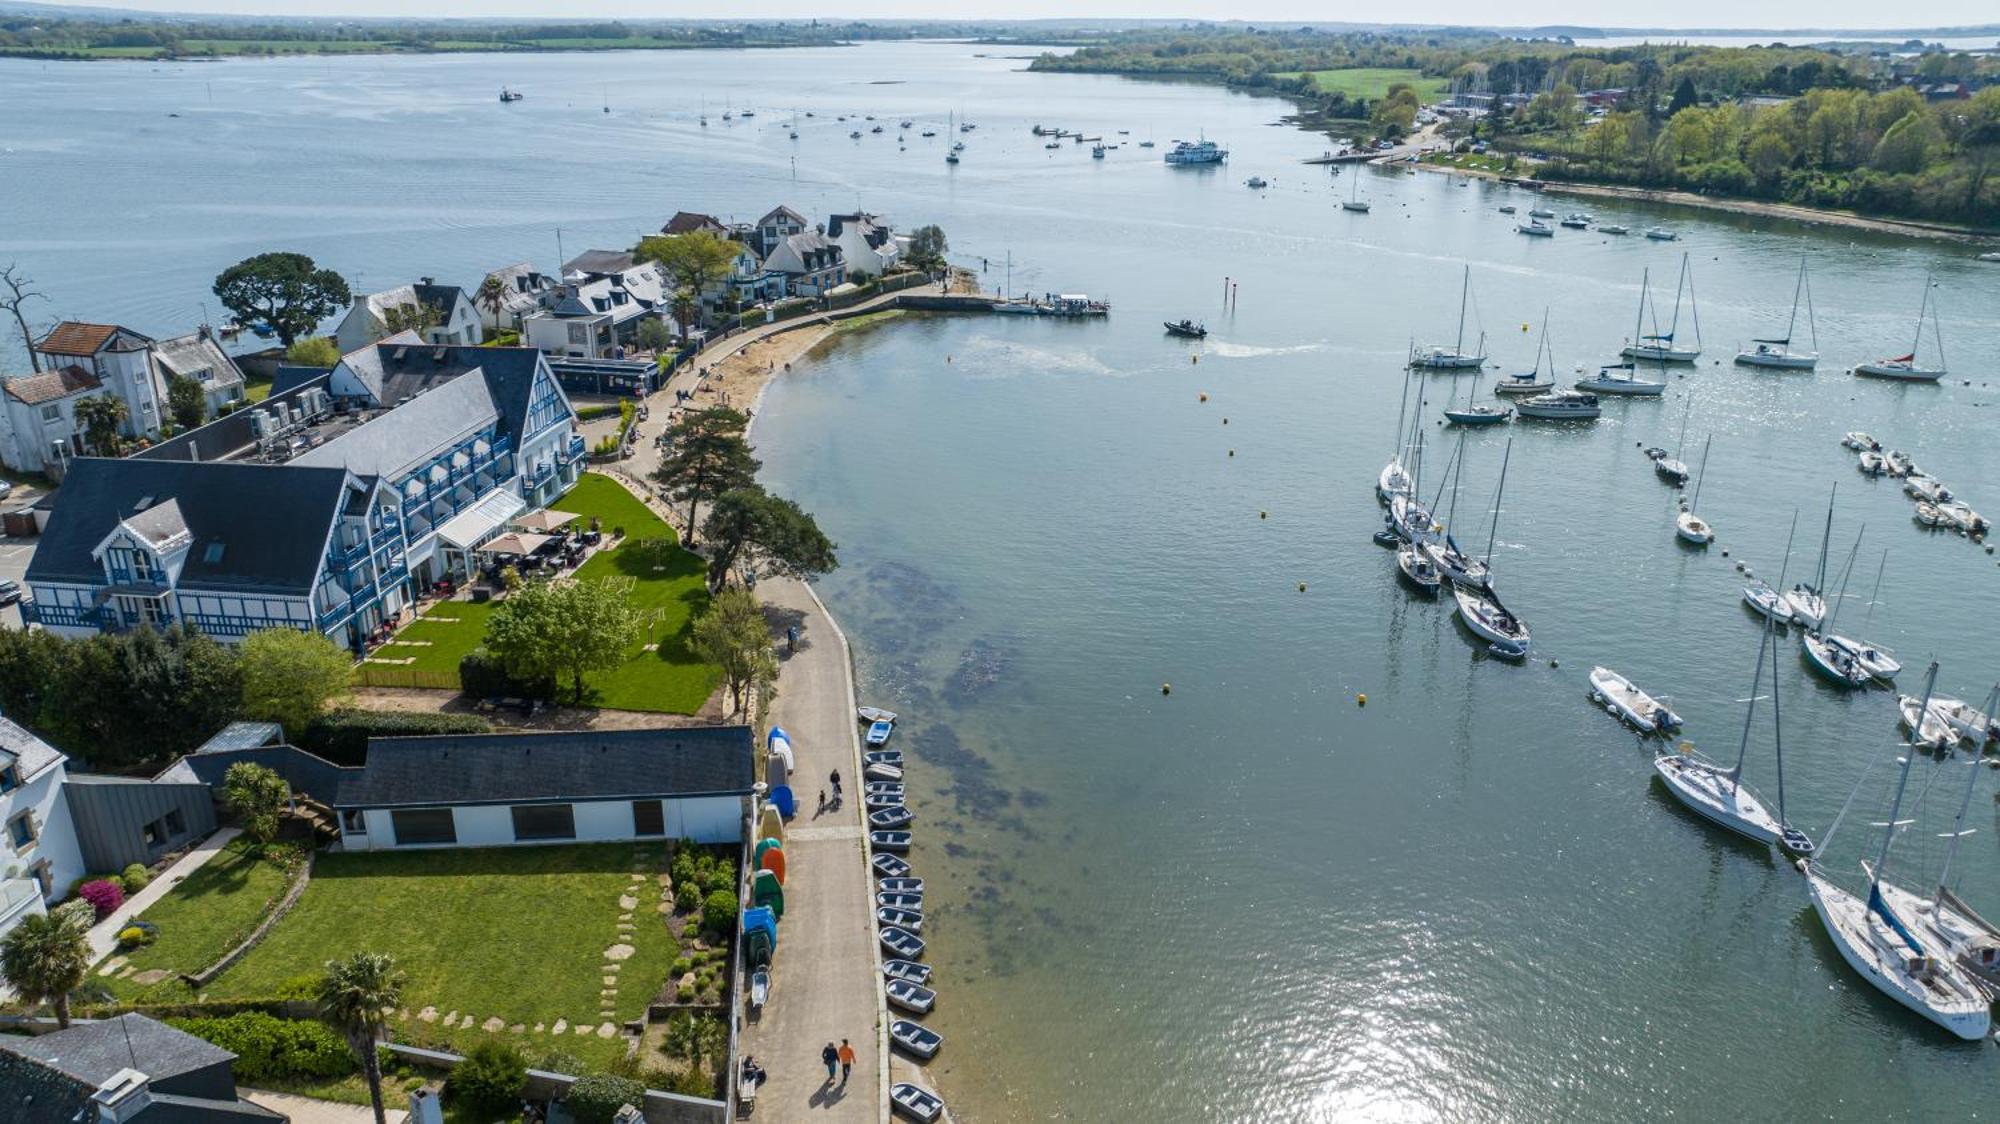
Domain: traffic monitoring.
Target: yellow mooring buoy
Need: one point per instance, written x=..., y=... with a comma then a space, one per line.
x=1166, y=688
x=1361, y=700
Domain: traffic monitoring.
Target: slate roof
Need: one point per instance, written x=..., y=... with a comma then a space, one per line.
x=315, y=776
x=30, y=753
x=74, y=337
x=159, y=524
x=782, y=212
x=51, y=385
x=522, y=287
x=195, y=353
x=873, y=231
x=599, y=261
x=390, y=443
x=93, y=1052
x=687, y=222
x=272, y=523
x=441, y=297
x=552, y=767
x=54, y=1075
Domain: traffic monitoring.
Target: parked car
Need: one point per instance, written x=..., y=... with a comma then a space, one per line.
x=6, y=486
x=10, y=591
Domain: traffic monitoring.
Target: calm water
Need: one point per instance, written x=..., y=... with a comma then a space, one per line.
x=1251, y=899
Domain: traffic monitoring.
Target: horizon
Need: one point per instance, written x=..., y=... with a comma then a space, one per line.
x=1708, y=17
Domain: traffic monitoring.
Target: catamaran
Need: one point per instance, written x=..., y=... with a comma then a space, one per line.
x=1806, y=600
x=1905, y=367
x=1454, y=358
x=1877, y=943
x=1532, y=382
x=1777, y=353
x=1719, y=794
x=1659, y=346
x=1689, y=526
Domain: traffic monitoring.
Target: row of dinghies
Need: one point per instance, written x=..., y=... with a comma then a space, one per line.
x=1935, y=505
x=899, y=910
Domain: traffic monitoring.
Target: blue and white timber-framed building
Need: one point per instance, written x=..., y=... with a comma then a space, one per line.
x=325, y=508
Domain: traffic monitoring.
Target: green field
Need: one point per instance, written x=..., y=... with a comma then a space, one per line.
x=1371, y=82
x=666, y=586
x=514, y=933
x=209, y=913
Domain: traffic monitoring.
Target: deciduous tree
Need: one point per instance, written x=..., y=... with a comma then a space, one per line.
x=928, y=246
x=20, y=289
x=289, y=676
x=547, y=629
x=734, y=636
x=314, y=351
x=285, y=290
x=695, y=260
x=186, y=402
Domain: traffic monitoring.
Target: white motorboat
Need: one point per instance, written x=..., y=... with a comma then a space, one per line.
x=1920, y=486
x=1934, y=732
x=1540, y=213
x=1506, y=634
x=1860, y=442
x=1613, y=228
x=1877, y=941
x=1658, y=346
x=1455, y=357
x=1636, y=708
x=869, y=715
x=1930, y=515
x=1532, y=382
x=1506, y=208
x=1965, y=720
x=1776, y=353
x=1872, y=463
x=1560, y=405
x=1576, y=220
x=1661, y=234
x=1417, y=569
x=1906, y=368
x=1203, y=151
x=1535, y=228
x=1620, y=379
x=1899, y=463
x=1959, y=514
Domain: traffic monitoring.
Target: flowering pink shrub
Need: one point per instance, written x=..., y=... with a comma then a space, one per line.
x=104, y=895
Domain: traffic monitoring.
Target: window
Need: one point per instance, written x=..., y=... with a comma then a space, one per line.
x=146, y=406
x=415, y=826
x=176, y=823
x=579, y=335
x=544, y=821
x=10, y=778
x=21, y=831
x=154, y=833
x=353, y=822
x=43, y=874
x=51, y=413
x=646, y=818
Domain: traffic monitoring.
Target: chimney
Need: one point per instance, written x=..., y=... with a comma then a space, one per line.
x=427, y=280
x=122, y=1097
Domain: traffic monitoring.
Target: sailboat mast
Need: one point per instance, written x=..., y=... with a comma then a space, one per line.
x=1543, y=344
x=1456, y=474
x=1923, y=307
x=1797, y=288
x=1896, y=807
x=1958, y=822
x=1694, y=306
x=1402, y=406
x=1825, y=540
x=1876, y=593
x=1675, y=324
x=1695, y=504
x=1639, y=315
x=1493, y=528
x=1826, y=628
x=1464, y=291
x=1750, y=712
x=1777, y=722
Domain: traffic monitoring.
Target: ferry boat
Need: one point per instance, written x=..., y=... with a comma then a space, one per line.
x=1196, y=152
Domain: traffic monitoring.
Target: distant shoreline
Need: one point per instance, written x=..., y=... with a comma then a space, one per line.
x=337, y=48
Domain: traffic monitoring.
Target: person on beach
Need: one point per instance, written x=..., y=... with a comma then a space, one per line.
x=836, y=783
x=822, y=802
x=846, y=1061
x=831, y=1057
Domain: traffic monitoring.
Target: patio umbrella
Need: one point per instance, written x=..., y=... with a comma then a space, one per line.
x=547, y=519
x=515, y=543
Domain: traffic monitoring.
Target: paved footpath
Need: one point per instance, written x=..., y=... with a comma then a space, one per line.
x=825, y=980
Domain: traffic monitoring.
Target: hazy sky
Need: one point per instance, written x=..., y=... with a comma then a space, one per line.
x=1682, y=13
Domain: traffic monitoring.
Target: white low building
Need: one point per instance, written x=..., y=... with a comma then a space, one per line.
x=453, y=320
x=39, y=855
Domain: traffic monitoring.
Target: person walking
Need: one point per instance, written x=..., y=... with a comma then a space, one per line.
x=831, y=1057
x=835, y=778
x=846, y=1061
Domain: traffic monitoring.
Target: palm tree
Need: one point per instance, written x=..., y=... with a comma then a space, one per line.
x=353, y=995
x=492, y=296
x=100, y=416
x=686, y=308
x=43, y=959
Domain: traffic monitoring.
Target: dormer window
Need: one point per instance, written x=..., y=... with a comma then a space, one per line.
x=10, y=777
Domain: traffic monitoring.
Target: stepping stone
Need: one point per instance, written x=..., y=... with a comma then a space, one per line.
x=493, y=1025
x=518, y=1028
x=538, y=1028
x=125, y=972
x=428, y=1014
x=611, y=981
x=582, y=1030
x=614, y=967
x=638, y=877
x=111, y=966
x=625, y=916
x=651, y=647
x=561, y=1026
x=148, y=977
x=465, y=1023
x=619, y=952
x=665, y=907
x=606, y=1030
x=628, y=902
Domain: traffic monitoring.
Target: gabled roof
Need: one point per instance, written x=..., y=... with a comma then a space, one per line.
x=687, y=222
x=197, y=355
x=24, y=750
x=74, y=337
x=390, y=443
x=782, y=212
x=598, y=261
x=50, y=1079
x=160, y=526
x=441, y=297
x=51, y=385
x=872, y=229
x=521, y=285
x=553, y=767
x=92, y=1052
x=254, y=527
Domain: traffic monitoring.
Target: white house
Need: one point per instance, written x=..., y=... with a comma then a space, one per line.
x=605, y=295
x=810, y=262
x=524, y=290
x=368, y=320
x=81, y=360
x=198, y=356
x=39, y=856
x=38, y=426
x=866, y=242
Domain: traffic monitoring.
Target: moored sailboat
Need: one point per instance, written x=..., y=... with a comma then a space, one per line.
x=1690, y=527
x=1659, y=346
x=1776, y=353
x=1454, y=358
x=1905, y=368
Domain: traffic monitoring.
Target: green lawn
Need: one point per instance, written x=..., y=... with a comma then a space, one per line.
x=1372, y=82
x=667, y=587
x=208, y=914
x=515, y=933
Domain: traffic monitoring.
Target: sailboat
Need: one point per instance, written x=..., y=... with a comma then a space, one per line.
x=1806, y=601
x=1394, y=479
x=1620, y=379
x=1904, y=367
x=1832, y=661
x=1659, y=346
x=1532, y=382
x=1690, y=527
x=1971, y=939
x=1777, y=353
x=1719, y=794
x=1879, y=945
x=1354, y=201
x=1767, y=601
x=1673, y=469
x=1444, y=553
x=1472, y=414
x=1874, y=660
x=951, y=157
x=1454, y=358
x=1418, y=570
x=1506, y=635
x=1408, y=518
